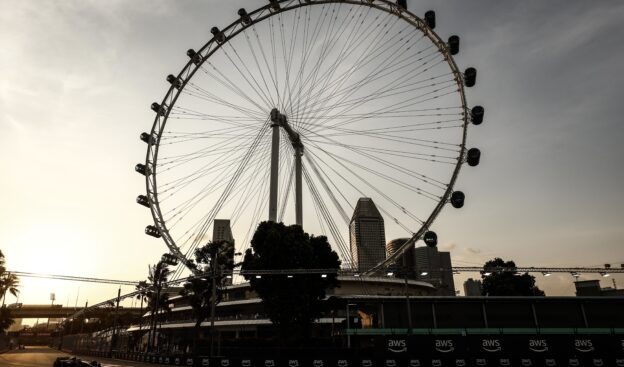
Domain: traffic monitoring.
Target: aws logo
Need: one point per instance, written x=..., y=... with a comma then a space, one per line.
x=583, y=345
x=491, y=345
x=538, y=345
x=444, y=345
x=397, y=345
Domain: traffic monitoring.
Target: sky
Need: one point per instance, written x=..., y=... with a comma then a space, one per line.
x=79, y=77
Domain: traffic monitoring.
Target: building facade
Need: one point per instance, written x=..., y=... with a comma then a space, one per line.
x=221, y=231
x=367, y=238
x=435, y=267
x=473, y=288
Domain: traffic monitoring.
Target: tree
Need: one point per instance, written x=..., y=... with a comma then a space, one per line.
x=8, y=281
x=292, y=303
x=157, y=300
x=504, y=280
x=5, y=319
x=199, y=289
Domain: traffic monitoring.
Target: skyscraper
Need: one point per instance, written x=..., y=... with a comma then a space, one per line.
x=222, y=231
x=367, y=237
x=473, y=287
x=404, y=264
x=435, y=267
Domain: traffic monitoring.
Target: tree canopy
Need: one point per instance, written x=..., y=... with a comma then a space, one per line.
x=504, y=280
x=8, y=281
x=292, y=303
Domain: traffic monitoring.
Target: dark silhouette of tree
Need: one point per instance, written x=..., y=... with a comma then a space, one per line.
x=292, y=303
x=143, y=295
x=504, y=280
x=198, y=290
x=8, y=281
x=5, y=319
x=157, y=299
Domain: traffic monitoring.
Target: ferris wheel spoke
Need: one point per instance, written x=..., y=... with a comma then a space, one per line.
x=358, y=178
x=350, y=183
x=338, y=83
x=422, y=98
x=359, y=101
x=209, y=217
x=364, y=59
x=200, y=93
x=331, y=44
x=259, y=68
x=257, y=88
x=376, y=39
x=254, y=181
x=388, y=178
x=227, y=83
x=268, y=67
x=305, y=54
x=333, y=229
x=199, y=171
x=388, y=91
x=304, y=83
x=378, y=136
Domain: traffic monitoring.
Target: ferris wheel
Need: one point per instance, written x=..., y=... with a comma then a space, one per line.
x=298, y=109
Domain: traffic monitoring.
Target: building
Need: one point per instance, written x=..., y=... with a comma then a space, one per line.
x=404, y=265
x=438, y=331
x=591, y=288
x=473, y=287
x=435, y=267
x=221, y=231
x=367, y=238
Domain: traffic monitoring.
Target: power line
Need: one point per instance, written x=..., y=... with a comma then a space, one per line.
x=74, y=278
x=345, y=272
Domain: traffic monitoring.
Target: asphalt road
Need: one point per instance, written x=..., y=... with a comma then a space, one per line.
x=44, y=357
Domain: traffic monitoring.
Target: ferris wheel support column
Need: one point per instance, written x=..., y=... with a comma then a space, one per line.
x=274, y=166
x=298, y=196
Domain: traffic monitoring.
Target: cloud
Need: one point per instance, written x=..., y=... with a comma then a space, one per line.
x=473, y=250
x=448, y=246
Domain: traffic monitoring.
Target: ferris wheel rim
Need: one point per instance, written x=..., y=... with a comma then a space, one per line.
x=237, y=27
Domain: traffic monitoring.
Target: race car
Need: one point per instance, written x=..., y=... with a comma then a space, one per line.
x=74, y=362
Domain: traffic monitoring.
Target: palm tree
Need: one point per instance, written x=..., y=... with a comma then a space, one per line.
x=8, y=281
x=157, y=300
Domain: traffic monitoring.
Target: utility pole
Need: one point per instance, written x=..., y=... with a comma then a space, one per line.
x=409, y=309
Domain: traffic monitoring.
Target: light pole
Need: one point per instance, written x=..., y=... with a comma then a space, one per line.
x=409, y=309
x=348, y=324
